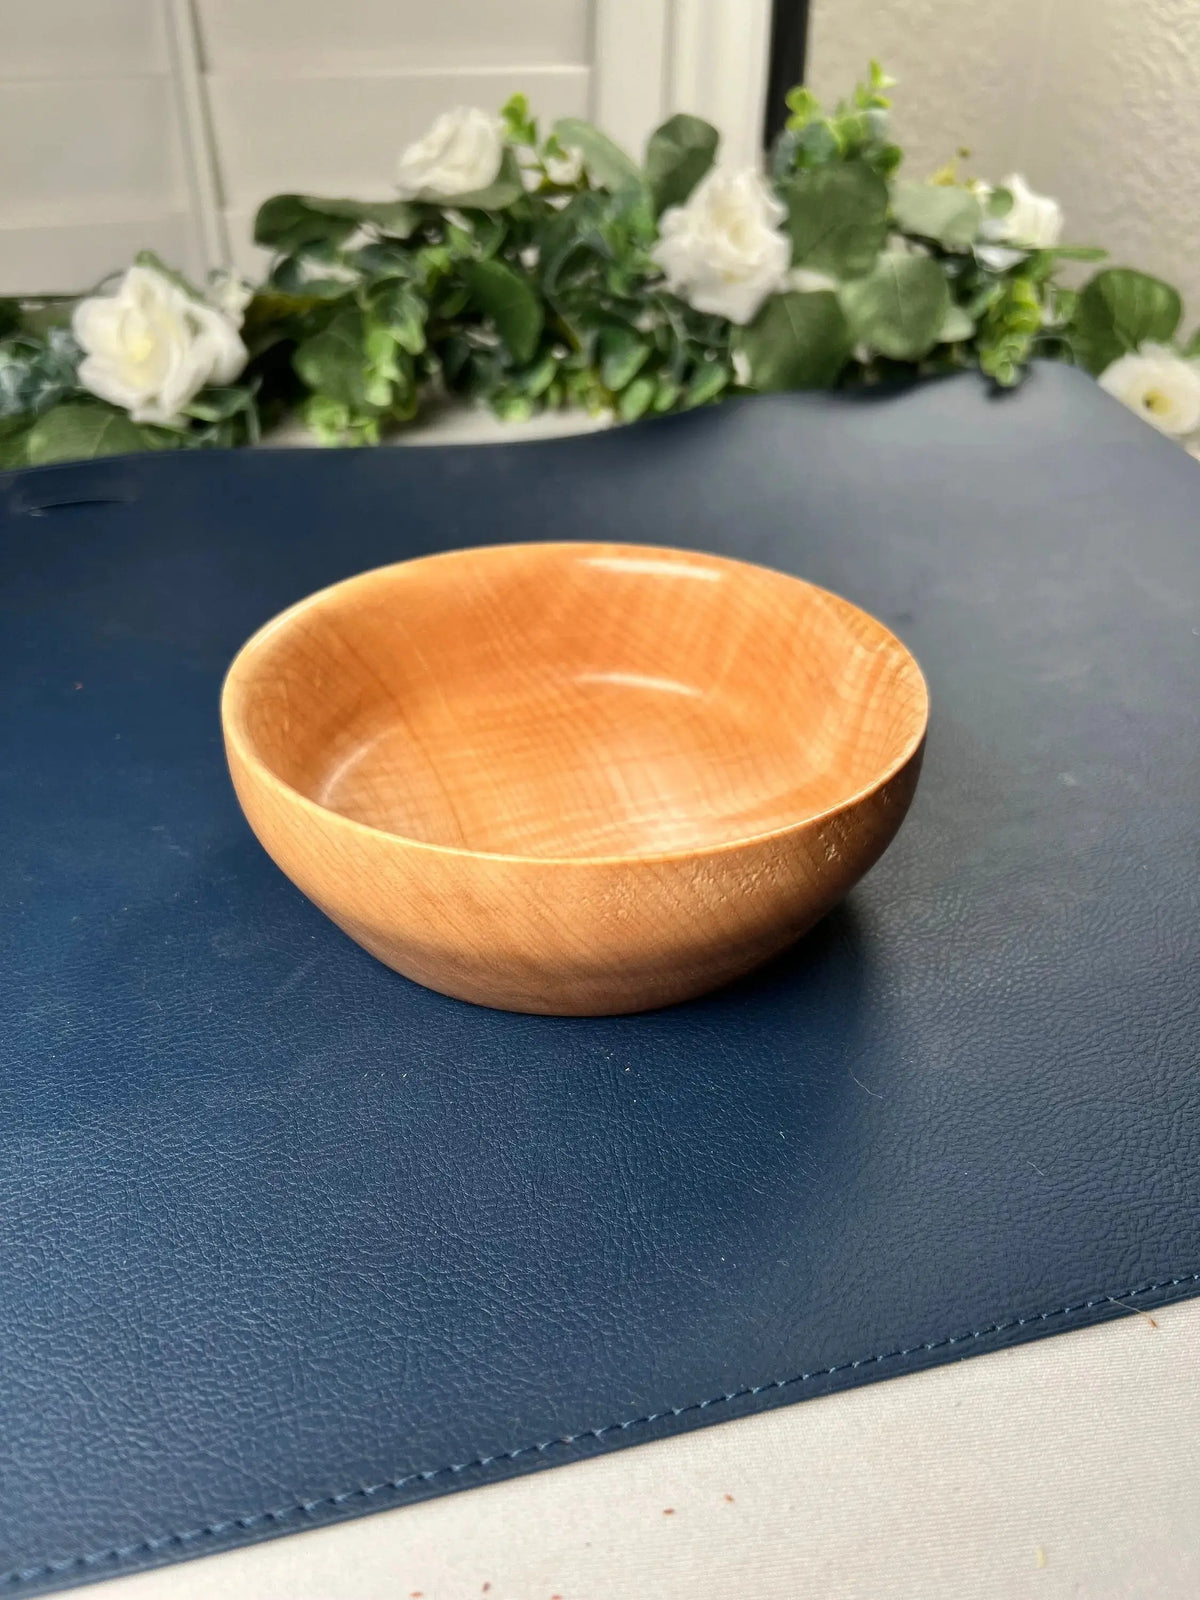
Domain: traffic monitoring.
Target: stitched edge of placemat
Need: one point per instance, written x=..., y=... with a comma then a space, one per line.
x=118, y=1554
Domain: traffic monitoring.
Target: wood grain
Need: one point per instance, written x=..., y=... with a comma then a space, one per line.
x=574, y=778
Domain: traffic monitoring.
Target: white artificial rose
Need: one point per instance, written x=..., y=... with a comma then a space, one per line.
x=1032, y=222
x=722, y=251
x=565, y=169
x=462, y=152
x=150, y=347
x=1159, y=385
x=1000, y=257
x=997, y=256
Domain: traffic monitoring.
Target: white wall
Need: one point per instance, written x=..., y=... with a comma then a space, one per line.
x=1096, y=101
x=164, y=123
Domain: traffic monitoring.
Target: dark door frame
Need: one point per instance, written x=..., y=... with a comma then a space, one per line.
x=789, y=49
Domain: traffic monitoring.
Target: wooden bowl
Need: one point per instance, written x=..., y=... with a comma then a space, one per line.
x=574, y=778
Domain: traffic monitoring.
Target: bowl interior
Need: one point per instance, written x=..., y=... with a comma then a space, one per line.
x=576, y=700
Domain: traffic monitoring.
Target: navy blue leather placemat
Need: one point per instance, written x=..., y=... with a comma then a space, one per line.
x=285, y=1238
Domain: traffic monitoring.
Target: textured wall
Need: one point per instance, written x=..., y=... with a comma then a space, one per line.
x=1096, y=101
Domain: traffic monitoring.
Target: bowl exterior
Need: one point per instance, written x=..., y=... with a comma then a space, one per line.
x=571, y=938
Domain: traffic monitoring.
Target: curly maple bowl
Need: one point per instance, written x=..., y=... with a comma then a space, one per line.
x=574, y=778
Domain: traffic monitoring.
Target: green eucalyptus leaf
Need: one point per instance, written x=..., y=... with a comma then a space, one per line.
x=797, y=341
x=1039, y=267
x=455, y=353
x=605, y=163
x=817, y=144
x=451, y=301
x=521, y=126
x=431, y=264
x=81, y=431
x=677, y=157
x=14, y=432
x=999, y=202
x=333, y=362
x=274, y=319
x=36, y=372
x=397, y=218
x=1117, y=311
x=1192, y=348
x=852, y=130
x=383, y=371
x=512, y=407
x=298, y=275
x=667, y=392
x=155, y=437
x=1063, y=303
x=15, y=387
x=804, y=106
x=312, y=288
x=983, y=298
x=566, y=240
x=327, y=419
x=781, y=162
x=538, y=378
x=512, y=303
x=706, y=383
x=623, y=354
x=837, y=218
x=486, y=232
x=956, y=325
x=402, y=312
x=1005, y=337
x=382, y=258
x=217, y=405
x=288, y=222
x=950, y=215
x=899, y=307
x=636, y=399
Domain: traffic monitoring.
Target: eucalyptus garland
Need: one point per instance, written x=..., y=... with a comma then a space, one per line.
x=524, y=271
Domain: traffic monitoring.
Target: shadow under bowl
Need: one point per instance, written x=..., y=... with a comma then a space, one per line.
x=574, y=778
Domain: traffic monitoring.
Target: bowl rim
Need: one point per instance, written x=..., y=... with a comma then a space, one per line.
x=236, y=737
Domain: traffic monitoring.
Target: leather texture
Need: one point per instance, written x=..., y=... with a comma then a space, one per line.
x=285, y=1238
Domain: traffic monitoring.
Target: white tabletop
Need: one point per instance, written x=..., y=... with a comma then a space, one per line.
x=444, y=422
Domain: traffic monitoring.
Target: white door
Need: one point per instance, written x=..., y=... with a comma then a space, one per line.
x=163, y=124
